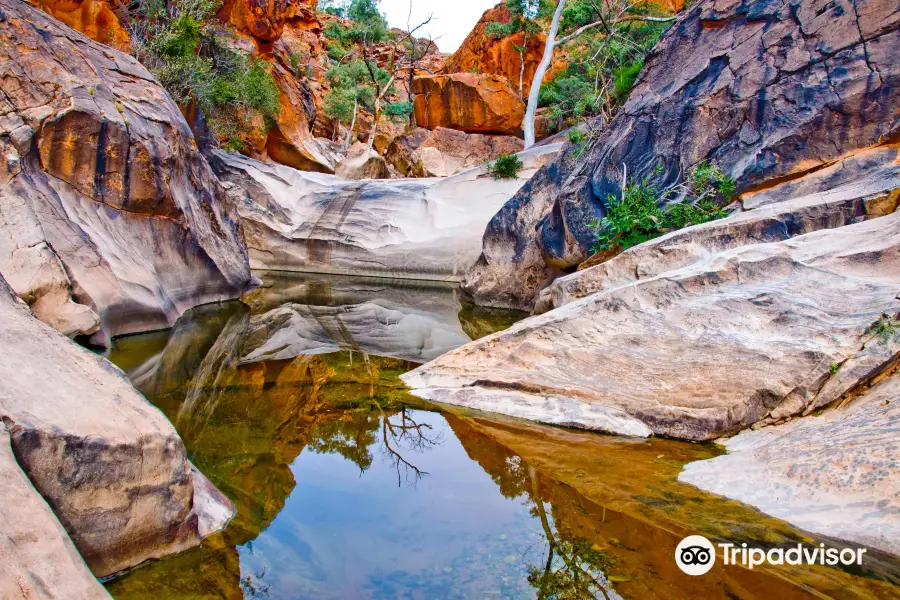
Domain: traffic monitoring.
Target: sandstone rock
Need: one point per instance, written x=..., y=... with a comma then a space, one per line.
x=420, y=229
x=262, y=19
x=105, y=198
x=876, y=194
x=108, y=463
x=39, y=560
x=445, y=152
x=362, y=163
x=768, y=92
x=97, y=19
x=835, y=474
x=741, y=336
x=401, y=152
x=469, y=102
x=482, y=53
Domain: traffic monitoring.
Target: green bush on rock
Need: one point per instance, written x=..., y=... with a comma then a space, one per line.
x=506, y=166
x=642, y=213
x=187, y=50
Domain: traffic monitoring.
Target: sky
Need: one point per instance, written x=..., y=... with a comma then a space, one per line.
x=452, y=22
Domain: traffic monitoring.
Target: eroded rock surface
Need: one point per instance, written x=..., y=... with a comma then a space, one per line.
x=111, y=222
x=768, y=91
x=835, y=474
x=420, y=229
x=362, y=163
x=39, y=560
x=746, y=335
x=468, y=102
x=445, y=152
x=108, y=463
x=875, y=194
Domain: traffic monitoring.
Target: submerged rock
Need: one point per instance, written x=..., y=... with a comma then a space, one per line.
x=111, y=221
x=836, y=474
x=419, y=229
x=768, y=91
x=109, y=464
x=740, y=336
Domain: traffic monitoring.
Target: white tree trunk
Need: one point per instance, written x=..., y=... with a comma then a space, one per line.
x=538, y=79
x=352, y=126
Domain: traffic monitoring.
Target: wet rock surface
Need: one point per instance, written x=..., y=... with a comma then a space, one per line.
x=111, y=221
x=768, y=91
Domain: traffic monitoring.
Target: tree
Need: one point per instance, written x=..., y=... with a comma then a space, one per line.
x=349, y=89
x=369, y=29
x=613, y=19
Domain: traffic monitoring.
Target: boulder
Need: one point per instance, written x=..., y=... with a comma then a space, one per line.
x=362, y=163
x=769, y=92
x=97, y=19
x=111, y=221
x=39, y=560
x=445, y=152
x=468, y=102
x=109, y=464
x=835, y=474
x=486, y=54
x=419, y=229
x=746, y=335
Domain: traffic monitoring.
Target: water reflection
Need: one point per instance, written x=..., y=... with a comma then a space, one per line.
x=347, y=487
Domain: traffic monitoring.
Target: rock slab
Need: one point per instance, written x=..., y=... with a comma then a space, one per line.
x=109, y=464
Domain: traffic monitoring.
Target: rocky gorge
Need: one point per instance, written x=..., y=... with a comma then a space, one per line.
x=773, y=332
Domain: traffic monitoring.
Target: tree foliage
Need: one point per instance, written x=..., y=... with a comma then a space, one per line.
x=187, y=50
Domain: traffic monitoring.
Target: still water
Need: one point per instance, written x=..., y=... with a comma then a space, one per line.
x=347, y=487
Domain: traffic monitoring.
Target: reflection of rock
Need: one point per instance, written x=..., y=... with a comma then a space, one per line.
x=836, y=474
x=423, y=229
x=622, y=497
x=102, y=183
x=39, y=560
x=469, y=102
x=738, y=337
x=110, y=465
x=412, y=321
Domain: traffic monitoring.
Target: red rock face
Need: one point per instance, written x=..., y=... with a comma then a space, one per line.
x=97, y=19
x=481, y=53
x=468, y=102
x=263, y=19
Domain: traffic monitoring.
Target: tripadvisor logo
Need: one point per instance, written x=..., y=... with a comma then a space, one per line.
x=695, y=555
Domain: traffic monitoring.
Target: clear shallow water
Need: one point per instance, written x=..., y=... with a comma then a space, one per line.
x=348, y=487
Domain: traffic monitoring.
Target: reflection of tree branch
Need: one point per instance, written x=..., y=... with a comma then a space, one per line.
x=551, y=539
x=409, y=431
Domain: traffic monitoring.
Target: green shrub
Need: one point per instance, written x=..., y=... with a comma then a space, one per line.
x=624, y=78
x=506, y=166
x=185, y=47
x=886, y=329
x=641, y=214
x=400, y=110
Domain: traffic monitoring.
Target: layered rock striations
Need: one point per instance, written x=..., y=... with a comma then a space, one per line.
x=415, y=229
x=748, y=335
x=768, y=91
x=111, y=221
